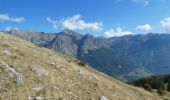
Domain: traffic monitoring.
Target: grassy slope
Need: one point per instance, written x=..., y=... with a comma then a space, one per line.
x=62, y=79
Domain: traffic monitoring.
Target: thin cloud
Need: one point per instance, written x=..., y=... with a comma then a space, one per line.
x=145, y=27
x=166, y=24
x=9, y=28
x=143, y=2
x=76, y=23
x=54, y=23
x=6, y=17
x=116, y=32
x=21, y=19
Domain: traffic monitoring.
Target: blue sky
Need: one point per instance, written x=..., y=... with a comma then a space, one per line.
x=98, y=17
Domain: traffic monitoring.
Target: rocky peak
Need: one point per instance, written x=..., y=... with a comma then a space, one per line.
x=88, y=36
x=71, y=33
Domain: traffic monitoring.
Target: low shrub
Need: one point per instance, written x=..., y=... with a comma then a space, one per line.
x=81, y=63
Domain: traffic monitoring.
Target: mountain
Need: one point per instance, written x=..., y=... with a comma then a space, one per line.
x=38, y=38
x=151, y=51
x=127, y=57
x=65, y=42
x=106, y=61
x=28, y=71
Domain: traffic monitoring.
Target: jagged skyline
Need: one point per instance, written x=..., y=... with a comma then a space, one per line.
x=100, y=18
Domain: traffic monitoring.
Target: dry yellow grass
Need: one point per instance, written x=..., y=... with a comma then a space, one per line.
x=66, y=79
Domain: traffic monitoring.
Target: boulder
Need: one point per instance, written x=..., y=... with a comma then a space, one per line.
x=39, y=70
x=39, y=98
x=4, y=90
x=103, y=98
x=79, y=72
x=36, y=98
x=11, y=72
x=6, y=53
x=38, y=87
x=52, y=64
x=30, y=98
x=3, y=65
x=63, y=70
x=94, y=77
x=20, y=79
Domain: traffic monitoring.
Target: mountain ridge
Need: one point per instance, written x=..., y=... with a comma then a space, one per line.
x=142, y=51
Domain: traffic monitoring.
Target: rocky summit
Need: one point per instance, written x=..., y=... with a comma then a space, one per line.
x=30, y=72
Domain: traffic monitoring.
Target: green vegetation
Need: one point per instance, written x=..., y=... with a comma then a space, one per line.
x=39, y=80
x=147, y=87
x=160, y=92
x=8, y=85
x=39, y=45
x=81, y=63
x=19, y=53
x=160, y=83
x=14, y=57
x=59, y=98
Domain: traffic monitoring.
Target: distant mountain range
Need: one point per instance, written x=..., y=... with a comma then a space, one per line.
x=127, y=57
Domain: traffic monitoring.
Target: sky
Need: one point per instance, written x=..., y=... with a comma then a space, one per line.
x=98, y=17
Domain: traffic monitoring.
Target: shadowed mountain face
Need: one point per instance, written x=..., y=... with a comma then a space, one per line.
x=151, y=51
x=65, y=42
x=127, y=57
